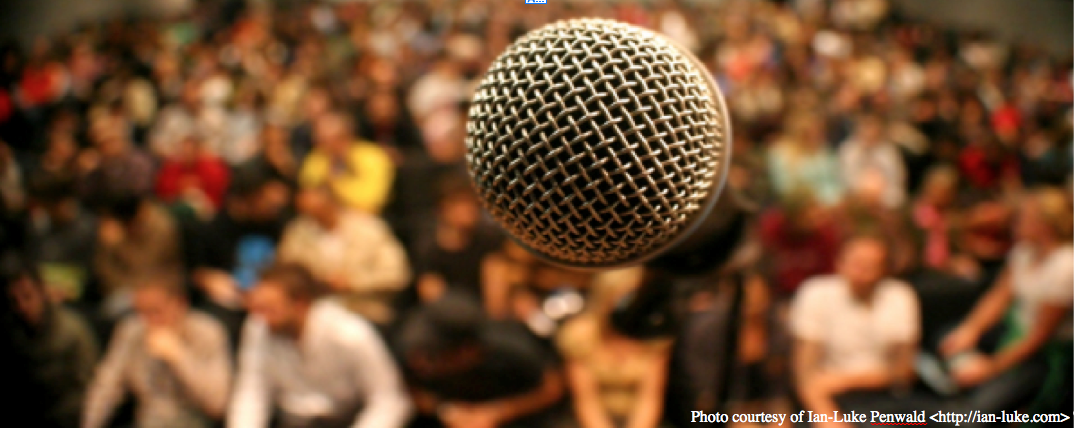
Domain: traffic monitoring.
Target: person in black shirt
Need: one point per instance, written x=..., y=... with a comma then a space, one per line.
x=466, y=371
x=451, y=256
x=231, y=249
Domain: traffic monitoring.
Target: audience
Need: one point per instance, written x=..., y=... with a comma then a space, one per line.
x=172, y=360
x=205, y=147
x=308, y=360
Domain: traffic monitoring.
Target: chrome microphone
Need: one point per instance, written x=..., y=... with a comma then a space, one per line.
x=598, y=144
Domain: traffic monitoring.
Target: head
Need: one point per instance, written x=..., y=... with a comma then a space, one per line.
x=283, y=296
x=863, y=262
x=444, y=336
x=160, y=302
x=333, y=133
x=1044, y=217
x=317, y=102
x=458, y=206
x=869, y=129
x=110, y=135
x=27, y=294
x=190, y=148
x=320, y=203
x=254, y=195
x=127, y=209
x=382, y=107
x=57, y=199
x=803, y=212
x=940, y=186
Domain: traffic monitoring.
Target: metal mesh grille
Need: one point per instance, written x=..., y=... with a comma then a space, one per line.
x=595, y=143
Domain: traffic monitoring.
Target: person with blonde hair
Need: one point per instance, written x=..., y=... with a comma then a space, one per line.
x=1032, y=301
x=802, y=158
x=616, y=381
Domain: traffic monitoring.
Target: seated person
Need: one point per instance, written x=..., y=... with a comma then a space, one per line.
x=353, y=252
x=173, y=360
x=311, y=362
x=451, y=257
x=615, y=380
x=466, y=371
x=1032, y=299
x=48, y=354
x=856, y=332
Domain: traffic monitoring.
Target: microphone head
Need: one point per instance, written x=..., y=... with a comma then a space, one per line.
x=597, y=144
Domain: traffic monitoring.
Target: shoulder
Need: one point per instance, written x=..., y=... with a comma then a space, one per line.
x=333, y=318
x=366, y=150
x=204, y=323
x=820, y=287
x=896, y=290
x=71, y=325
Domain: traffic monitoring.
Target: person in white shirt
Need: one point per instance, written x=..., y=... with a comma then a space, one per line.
x=857, y=330
x=869, y=152
x=1031, y=300
x=308, y=362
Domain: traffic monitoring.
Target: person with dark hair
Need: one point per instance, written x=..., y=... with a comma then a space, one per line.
x=312, y=362
x=354, y=252
x=174, y=361
x=467, y=371
x=62, y=236
x=115, y=167
x=451, y=257
x=49, y=358
x=856, y=333
x=135, y=238
x=237, y=243
x=360, y=172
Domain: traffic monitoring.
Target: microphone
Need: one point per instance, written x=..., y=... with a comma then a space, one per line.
x=597, y=144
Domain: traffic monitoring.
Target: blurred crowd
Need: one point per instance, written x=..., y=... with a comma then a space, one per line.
x=258, y=215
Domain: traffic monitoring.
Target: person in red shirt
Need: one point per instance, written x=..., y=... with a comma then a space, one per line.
x=194, y=177
x=801, y=241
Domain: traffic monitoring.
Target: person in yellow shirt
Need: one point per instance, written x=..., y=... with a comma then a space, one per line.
x=360, y=172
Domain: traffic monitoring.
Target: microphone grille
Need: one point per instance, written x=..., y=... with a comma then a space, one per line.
x=596, y=143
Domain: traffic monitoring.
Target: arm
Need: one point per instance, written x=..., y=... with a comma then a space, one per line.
x=204, y=369
x=587, y=405
x=988, y=311
x=387, y=404
x=550, y=391
x=384, y=269
x=108, y=388
x=650, y=402
x=368, y=188
x=250, y=404
x=1049, y=319
x=807, y=370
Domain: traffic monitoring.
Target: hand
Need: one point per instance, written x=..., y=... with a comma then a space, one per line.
x=829, y=384
x=220, y=287
x=164, y=343
x=338, y=283
x=110, y=232
x=87, y=161
x=974, y=371
x=471, y=416
x=960, y=340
